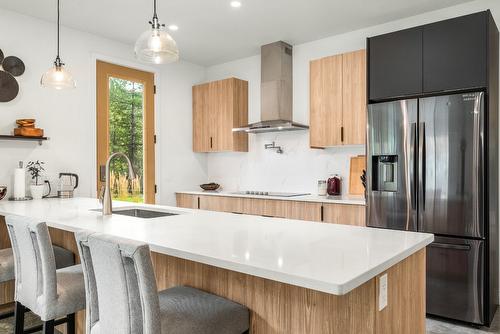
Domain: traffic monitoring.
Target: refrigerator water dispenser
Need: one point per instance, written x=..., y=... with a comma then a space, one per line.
x=385, y=173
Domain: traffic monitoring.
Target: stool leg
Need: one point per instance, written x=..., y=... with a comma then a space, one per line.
x=48, y=327
x=70, y=324
x=19, y=316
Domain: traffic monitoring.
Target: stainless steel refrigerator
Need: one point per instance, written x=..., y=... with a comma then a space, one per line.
x=426, y=172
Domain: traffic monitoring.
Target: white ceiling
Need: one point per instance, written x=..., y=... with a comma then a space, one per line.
x=211, y=32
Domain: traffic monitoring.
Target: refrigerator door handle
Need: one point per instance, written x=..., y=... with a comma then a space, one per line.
x=421, y=161
x=412, y=166
x=476, y=149
x=450, y=246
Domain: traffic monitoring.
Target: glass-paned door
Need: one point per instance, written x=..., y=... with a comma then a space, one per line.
x=125, y=124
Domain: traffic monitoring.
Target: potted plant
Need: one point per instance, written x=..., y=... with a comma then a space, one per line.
x=35, y=168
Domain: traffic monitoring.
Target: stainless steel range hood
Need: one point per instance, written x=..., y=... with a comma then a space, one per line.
x=275, y=91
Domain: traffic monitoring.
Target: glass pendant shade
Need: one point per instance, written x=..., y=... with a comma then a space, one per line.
x=156, y=46
x=57, y=77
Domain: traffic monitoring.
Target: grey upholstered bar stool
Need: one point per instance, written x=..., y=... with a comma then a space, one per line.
x=122, y=296
x=64, y=258
x=48, y=292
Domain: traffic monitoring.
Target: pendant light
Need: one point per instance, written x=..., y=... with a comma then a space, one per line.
x=156, y=45
x=58, y=77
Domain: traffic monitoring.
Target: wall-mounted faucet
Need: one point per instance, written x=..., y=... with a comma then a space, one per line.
x=278, y=149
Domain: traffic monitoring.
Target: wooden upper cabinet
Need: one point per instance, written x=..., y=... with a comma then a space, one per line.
x=218, y=107
x=325, y=102
x=338, y=100
x=201, y=121
x=354, y=97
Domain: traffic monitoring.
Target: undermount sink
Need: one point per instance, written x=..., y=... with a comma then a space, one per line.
x=141, y=213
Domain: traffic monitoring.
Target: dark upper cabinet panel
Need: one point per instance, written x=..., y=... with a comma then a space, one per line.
x=454, y=53
x=395, y=64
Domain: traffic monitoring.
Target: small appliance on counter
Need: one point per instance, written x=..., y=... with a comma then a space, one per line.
x=334, y=187
x=68, y=182
x=322, y=188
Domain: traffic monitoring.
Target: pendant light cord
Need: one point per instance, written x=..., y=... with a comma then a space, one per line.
x=58, y=19
x=155, y=23
x=58, y=62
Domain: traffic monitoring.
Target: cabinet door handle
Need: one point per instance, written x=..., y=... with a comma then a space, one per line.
x=211, y=142
x=342, y=134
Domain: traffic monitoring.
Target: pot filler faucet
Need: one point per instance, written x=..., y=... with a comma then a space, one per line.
x=107, y=204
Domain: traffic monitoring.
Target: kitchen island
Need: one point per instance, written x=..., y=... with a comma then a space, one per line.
x=295, y=276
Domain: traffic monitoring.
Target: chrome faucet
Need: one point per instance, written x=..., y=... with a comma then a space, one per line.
x=107, y=204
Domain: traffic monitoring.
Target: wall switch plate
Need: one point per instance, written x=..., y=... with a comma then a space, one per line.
x=382, y=292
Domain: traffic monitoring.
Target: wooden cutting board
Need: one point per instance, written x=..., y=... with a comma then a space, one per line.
x=356, y=170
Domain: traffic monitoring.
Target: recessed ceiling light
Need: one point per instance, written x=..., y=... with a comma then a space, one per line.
x=236, y=4
x=173, y=27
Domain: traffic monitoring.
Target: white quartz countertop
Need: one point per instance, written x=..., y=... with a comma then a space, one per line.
x=325, y=257
x=355, y=200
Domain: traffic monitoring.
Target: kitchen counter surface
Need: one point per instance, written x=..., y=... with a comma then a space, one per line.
x=325, y=257
x=354, y=200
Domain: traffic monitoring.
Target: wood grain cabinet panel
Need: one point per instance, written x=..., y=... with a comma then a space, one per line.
x=337, y=114
x=325, y=117
x=346, y=214
x=187, y=201
x=354, y=97
x=221, y=204
x=264, y=207
x=303, y=211
x=218, y=107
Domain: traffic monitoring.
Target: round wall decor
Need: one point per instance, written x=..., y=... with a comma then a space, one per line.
x=11, y=67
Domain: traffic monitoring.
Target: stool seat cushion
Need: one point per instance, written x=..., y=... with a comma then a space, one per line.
x=64, y=258
x=70, y=292
x=6, y=265
x=188, y=310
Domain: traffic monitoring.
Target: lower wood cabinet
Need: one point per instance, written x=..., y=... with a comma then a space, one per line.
x=348, y=214
x=222, y=204
x=187, y=201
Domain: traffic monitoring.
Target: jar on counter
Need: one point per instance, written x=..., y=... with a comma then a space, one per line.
x=322, y=188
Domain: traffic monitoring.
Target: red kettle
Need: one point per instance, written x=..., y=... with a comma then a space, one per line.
x=334, y=187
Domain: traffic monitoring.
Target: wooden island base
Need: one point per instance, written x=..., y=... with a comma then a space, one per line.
x=283, y=308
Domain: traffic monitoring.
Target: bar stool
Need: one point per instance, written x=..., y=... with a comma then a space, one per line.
x=48, y=292
x=122, y=296
x=64, y=258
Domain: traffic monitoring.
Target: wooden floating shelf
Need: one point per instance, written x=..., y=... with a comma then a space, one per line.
x=24, y=138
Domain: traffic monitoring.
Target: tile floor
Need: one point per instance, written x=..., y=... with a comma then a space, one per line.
x=435, y=326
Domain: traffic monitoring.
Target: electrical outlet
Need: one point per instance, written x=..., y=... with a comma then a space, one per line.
x=382, y=292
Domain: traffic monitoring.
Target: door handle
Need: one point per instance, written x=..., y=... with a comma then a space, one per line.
x=421, y=161
x=102, y=173
x=450, y=246
x=412, y=165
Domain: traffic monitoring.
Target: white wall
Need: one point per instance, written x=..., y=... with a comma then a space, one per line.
x=68, y=116
x=299, y=168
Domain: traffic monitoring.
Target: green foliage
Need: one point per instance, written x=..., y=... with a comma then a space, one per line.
x=126, y=125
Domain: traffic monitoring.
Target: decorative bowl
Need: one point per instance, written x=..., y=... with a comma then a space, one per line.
x=210, y=186
x=3, y=192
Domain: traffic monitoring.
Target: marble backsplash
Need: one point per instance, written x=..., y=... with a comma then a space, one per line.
x=298, y=169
